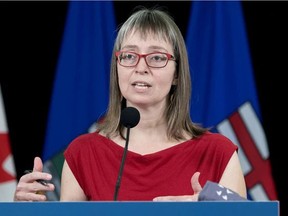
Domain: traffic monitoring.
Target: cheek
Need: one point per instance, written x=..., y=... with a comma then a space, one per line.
x=123, y=80
x=164, y=84
x=167, y=79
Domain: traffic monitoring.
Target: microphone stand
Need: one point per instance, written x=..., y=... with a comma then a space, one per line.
x=122, y=165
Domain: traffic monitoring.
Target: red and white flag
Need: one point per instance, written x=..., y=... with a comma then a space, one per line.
x=244, y=128
x=8, y=179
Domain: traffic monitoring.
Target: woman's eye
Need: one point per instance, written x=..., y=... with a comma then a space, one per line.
x=158, y=58
x=127, y=56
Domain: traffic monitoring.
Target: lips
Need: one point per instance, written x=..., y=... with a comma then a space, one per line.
x=141, y=84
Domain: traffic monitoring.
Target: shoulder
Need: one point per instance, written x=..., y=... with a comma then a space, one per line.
x=216, y=140
x=214, y=137
x=85, y=140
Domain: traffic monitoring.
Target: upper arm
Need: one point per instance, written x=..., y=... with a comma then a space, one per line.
x=70, y=188
x=233, y=177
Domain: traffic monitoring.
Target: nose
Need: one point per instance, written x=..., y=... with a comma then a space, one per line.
x=142, y=66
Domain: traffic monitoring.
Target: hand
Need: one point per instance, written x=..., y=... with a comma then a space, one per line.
x=195, y=186
x=28, y=189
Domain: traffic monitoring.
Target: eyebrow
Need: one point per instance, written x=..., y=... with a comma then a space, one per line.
x=150, y=47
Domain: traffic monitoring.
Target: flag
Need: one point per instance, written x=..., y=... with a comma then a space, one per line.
x=7, y=169
x=224, y=94
x=81, y=85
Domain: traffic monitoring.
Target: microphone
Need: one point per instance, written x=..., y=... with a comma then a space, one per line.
x=129, y=118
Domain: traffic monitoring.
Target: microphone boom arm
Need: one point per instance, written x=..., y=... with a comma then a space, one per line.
x=122, y=165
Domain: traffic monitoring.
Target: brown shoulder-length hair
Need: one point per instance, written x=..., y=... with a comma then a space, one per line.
x=162, y=25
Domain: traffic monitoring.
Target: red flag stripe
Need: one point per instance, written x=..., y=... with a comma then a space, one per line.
x=255, y=128
x=261, y=172
x=4, y=154
x=226, y=129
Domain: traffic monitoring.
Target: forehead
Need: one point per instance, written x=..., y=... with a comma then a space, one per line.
x=148, y=38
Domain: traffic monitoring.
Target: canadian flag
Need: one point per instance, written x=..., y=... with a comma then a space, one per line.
x=8, y=179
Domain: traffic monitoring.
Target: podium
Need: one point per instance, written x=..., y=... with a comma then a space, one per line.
x=265, y=208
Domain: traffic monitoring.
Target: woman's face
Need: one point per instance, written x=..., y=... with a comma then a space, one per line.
x=142, y=85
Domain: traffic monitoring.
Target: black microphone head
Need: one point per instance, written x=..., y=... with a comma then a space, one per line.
x=130, y=117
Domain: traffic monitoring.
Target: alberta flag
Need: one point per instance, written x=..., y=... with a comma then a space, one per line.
x=7, y=169
x=81, y=85
x=224, y=93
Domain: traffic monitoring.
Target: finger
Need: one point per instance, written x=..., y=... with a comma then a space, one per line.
x=43, y=189
x=23, y=196
x=38, y=165
x=34, y=177
x=25, y=192
x=196, y=186
x=33, y=187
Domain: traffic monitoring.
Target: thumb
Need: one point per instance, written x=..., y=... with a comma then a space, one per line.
x=196, y=186
x=38, y=165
